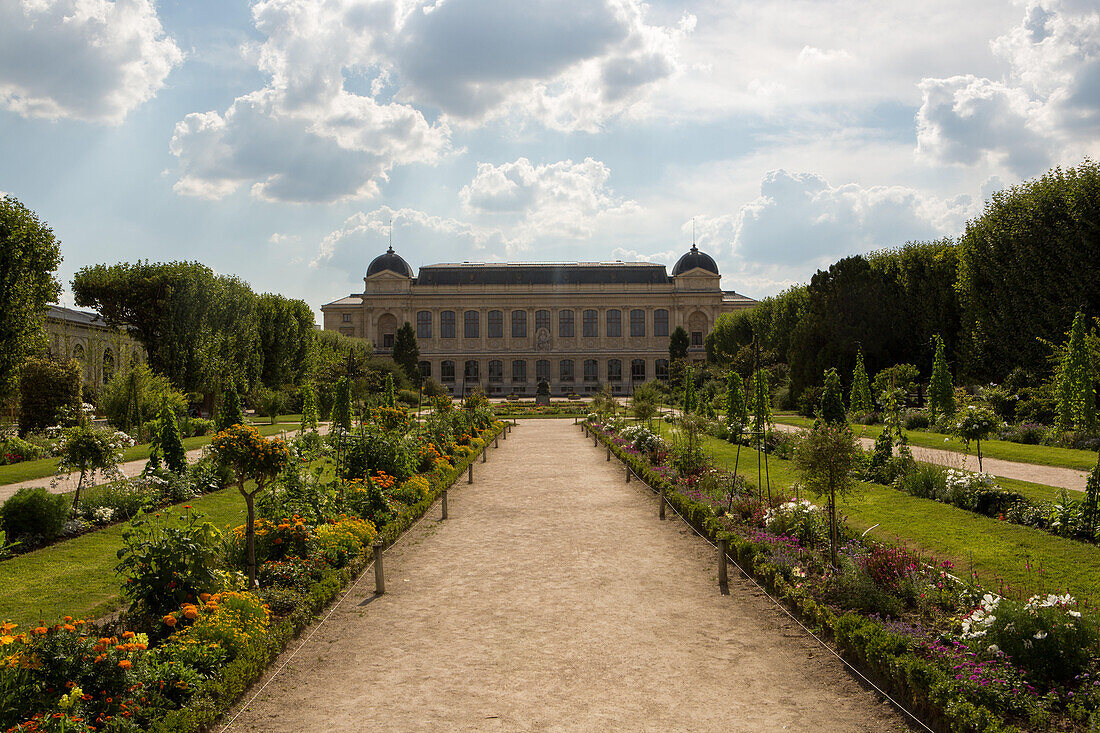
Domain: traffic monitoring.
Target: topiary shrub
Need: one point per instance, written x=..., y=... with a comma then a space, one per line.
x=34, y=516
x=48, y=390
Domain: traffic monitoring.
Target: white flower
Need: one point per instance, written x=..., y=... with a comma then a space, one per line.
x=1040, y=635
x=993, y=649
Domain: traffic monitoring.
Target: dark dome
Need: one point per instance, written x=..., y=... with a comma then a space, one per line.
x=694, y=258
x=389, y=261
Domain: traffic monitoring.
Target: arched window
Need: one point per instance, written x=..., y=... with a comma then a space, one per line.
x=496, y=371
x=519, y=324
x=697, y=325
x=542, y=370
x=496, y=324
x=447, y=371
x=447, y=324
x=565, y=324
x=78, y=352
x=660, y=368
x=472, y=371
x=387, y=330
x=425, y=369
x=423, y=324
x=660, y=322
x=614, y=323
x=590, y=324
x=108, y=366
x=519, y=370
x=471, y=320
x=591, y=370
x=637, y=370
x=565, y=370
x=542, y=320
x=637, y=323
x=614, y=370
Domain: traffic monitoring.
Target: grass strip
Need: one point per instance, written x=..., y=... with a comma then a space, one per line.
x=1005, y=450
x=998, y=552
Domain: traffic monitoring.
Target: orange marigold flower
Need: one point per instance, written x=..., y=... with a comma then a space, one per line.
x=70, y=627
x=125, y=664
x=40, y=631
x=169, y=620
x=127, y=634
x=191, y=613
x=204, y=597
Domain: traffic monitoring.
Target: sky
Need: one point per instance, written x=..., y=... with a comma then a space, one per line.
x=287, y=141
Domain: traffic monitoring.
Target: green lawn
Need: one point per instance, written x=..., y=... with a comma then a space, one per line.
x=77, y=577
x=997, y=551
x=1043, y=455
x=28, y=470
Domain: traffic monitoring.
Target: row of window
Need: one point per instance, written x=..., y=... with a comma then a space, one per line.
x=590, y=323
x=591, y=370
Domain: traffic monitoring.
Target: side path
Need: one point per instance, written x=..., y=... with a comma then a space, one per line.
x=554, y=599
x=130, y=468
x=1067, y=478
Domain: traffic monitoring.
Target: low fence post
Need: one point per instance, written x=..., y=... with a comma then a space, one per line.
x=444, y=503
x=723, y=576
x=661, y=512
x=485, y=454
x=608, y=453
x=496, y=442
x=595, y=440
x=379, y=575
x=470, y=478
x=628, y=474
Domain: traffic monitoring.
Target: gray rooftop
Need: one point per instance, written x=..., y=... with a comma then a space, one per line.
x=543, y=273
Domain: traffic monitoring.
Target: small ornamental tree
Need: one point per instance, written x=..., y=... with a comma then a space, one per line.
x=230, y=413
x=737, y=409
x=691, y=397
x=341, y=406
x=825, y=458
x=941, y=392
x=761, y=402
x=309, y=408
x=243, y=450
x=832, y=401
x=388, y=395
x=678, y=344
x=1075, y=382
x=1091, y=505
x=87, y=449
x=860, y=399
x=975, y=424
x=171, y=444
x=49, y=390
x=406, y=352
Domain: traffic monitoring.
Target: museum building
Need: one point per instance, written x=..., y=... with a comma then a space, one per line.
x=506, y=326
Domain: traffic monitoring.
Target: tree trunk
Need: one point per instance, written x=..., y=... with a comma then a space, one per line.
x=832, y=525
x=250, y=537
x=79, y=485
x=979, y=455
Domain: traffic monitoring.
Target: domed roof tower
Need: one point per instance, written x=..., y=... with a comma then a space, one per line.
x=693, y=259
x=389, y=261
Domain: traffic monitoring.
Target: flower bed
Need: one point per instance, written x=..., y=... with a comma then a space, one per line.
x=903, y=620
x=190, y=653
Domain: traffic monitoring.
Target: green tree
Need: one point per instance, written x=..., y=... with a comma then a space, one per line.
x=1091, y=505
x=272, y=404
x=341, y=406
x=1076, y=385
x=691, y=397
x=286, y=337
x=87, y=449
x=136, y=396
x=826, y=458
x=388, y=394
x=644, y=401
x=900, y=378
x=171, y=444
x=860, y=399
x=941, y=392
x=737, y=409
x=230, y=412
x=29, y=255
x=761, y=401
x=678, y=344
x=49, y=392
x=975, y=424
x=832, y=402
x=309, y=407
x=406, y=352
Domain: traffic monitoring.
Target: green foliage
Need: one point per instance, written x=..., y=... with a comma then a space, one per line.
x=87, y=449
x=34, y=516
x=171, y=444
x=900, y=377
x=167, y=560
x=860, y=399
x=135, y=396
x=341, y=406
x=941, y=391
x=737, y=408
x=309, y=407
x=826, y=458
x=406, y=352
x=761, y=401
x=286, y=335
x=832, y=403
x=1026, y=265
x=272, y=402
x=691, y=398
x=49, y=392
x=678, y=344
x=1076, y=383
x=771, y=322
x=1091, y=507
x=388, y=396
x=230, y=412
x=29, y=255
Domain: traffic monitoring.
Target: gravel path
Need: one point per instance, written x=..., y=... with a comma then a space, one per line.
x=67, y=483
x=1068, y=478
x=554, y=599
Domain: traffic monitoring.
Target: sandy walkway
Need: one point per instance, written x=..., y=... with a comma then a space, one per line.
x=1047, y=475
x=130, y=468
x=554, y=599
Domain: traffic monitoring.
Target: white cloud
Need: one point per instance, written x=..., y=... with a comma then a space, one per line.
x=93, y=60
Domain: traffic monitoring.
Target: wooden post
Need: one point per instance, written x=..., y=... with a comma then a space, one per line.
x=470, y=478
x=485, y=454
x=609, y=453
x=723, y=576
x=661, y=514
x=379, y=575
x=496, y=442
x=444, y=503
x=595, y=440
x=628, y=474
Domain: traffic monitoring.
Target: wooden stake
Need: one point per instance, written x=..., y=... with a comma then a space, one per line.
x=723, y=576
x=444, y=503
x=379, y=575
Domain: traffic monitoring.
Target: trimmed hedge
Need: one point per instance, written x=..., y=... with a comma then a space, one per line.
x=925, y=689
x=219, y=694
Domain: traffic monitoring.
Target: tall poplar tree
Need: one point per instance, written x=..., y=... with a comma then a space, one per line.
x=737, y=410
x=941, y=391
x=1076, y=384
x=832, y=401
x=406, y=352
x=860, y=399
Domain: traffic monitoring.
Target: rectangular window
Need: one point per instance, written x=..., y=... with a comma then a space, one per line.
x=696, y=338
x=637, y=370
x=591, y=324
x=614, y=370
x=471, y=373
x=614, y=323
x=423, y=324
x=519, y=370
x=565, y=324
x=591, y=370
x=347, y=318
x=542, y=370
x=496, y=324
x=471, y=320
x=447, y=371
x=637, y=323
x=387, y=340
x=565, y=370
x=661, y=369
x=447, y=325
x=496, y=371
x=519, y=324
x=542, y=320
x=660, y=322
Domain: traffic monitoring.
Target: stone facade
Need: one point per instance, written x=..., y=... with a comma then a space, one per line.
x=84, y=336
x=504, y=327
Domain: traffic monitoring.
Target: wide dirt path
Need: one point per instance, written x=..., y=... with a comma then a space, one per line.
x=554, y=599
x=1056, y=476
